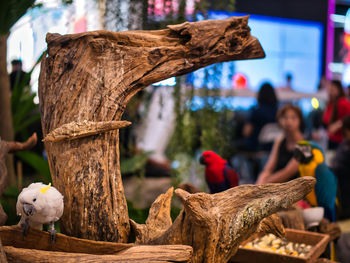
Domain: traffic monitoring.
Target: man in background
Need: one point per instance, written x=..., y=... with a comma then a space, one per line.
x=17, y=75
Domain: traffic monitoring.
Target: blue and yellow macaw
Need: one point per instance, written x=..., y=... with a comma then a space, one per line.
x=312, y=163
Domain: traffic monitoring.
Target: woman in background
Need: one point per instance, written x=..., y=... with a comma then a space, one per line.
x=262, y=114
x=281, y=166
x=337, y=108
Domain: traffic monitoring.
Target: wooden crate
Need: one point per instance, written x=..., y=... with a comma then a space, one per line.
x=317, y=240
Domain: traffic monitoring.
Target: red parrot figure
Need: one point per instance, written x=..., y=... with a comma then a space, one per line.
x=218, y=174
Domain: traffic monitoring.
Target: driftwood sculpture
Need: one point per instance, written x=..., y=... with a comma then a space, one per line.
x=86, y=81
x=215, y=224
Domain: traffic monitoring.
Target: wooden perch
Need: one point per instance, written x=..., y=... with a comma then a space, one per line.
x=76, y=130
x=37, y=247
x=215, y=225
x=92, y=76
x=37, y=239
x=137, y=254
x=5, y=148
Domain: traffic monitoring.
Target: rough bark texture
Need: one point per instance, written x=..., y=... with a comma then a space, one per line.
x=3, y=258
x=36, y=246
x=6, y=148
x=215, y=225
x=37, y=239
x=292, y=219
x=137, y=254
x=6, y=127
x=91, y=77
x=76, y=130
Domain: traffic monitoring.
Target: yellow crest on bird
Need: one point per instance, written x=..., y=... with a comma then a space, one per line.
x=44, y=189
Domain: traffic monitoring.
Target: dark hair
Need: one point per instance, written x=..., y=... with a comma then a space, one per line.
x=339, y=87
x=267, y=95
x=289, y=76
x=282, y=111
x=16, y=62
x=346, y=123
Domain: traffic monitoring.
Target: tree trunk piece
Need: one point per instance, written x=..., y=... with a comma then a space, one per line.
x=214, y=225
x=91, y=77
x=6, y=127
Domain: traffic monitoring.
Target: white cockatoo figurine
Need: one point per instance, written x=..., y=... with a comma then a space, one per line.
x=39, y=204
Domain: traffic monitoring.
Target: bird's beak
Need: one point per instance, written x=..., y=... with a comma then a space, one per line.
x=303, y=154
x=202, y=161
x=28, y=209
x=298, y=154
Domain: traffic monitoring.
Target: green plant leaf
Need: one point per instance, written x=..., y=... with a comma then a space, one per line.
x=134, y=164
x=11, y=192
x=18, y=90
x=37, y=162
x=11, y=11
x=27, y=122
x=27, y=106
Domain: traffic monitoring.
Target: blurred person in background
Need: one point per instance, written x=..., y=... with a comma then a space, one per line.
x=337, y=108
x=288, y=83
x=252, y=152
x=341, y=168
x=315, y=130
x=281, y=166
x=17, y=75
x=263, y=113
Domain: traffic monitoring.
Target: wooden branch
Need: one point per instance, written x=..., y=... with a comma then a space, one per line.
x=10, y=147
x=272, y=224
x=156, y=254
x=92, y=76
x=215, y=225
x=3, y=258
x=292, y=219
x=5, y=148
x=188, y=187
x=3, y=216
x=158, y=220
x=23, y=146
x=37, y=247
x=37, y=239
x=75, y=130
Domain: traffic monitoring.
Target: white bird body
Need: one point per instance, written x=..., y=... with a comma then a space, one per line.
x=39, y=204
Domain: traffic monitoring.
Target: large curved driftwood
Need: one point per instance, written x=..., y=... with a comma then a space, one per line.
x=215, y=225
x=91, y=77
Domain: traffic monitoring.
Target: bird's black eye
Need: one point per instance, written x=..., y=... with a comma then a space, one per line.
x=34, y=199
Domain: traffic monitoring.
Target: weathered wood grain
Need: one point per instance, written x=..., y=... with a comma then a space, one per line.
x=75, y=130
x=3, y=258
x=91, y=76
x=37, y=239
x=214, y=225
x=5, y=148
x=136, y=254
